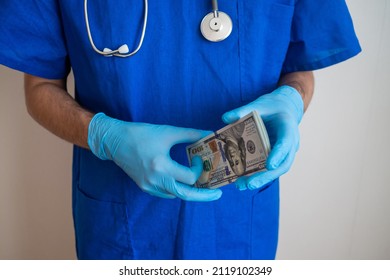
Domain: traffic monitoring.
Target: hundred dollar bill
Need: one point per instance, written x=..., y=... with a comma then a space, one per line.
x=236, y=150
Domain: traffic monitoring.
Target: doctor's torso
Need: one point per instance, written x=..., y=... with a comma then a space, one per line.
x=177, y=77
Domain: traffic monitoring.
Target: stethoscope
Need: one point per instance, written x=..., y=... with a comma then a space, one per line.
x=215, y=27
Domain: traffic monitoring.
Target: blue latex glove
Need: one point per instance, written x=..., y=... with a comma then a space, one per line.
x=142, y=151
x=281, y=111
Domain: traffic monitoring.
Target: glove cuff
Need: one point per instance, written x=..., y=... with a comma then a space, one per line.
x=295, y=100
x=96, y=132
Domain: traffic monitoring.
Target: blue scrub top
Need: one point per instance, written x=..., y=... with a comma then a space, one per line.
x=177, y=78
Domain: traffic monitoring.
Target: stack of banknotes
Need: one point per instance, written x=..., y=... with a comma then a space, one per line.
x=236, y=150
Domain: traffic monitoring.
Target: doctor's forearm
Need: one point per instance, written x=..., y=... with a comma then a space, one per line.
x=50, y=105
x=303, y=82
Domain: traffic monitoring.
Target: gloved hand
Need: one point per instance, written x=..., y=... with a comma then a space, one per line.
x=142, y=151
x=281, y=111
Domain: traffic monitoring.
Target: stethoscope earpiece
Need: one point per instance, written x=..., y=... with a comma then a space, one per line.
x=122, y=51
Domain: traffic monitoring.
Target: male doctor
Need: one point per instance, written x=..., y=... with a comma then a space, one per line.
x=133, y=193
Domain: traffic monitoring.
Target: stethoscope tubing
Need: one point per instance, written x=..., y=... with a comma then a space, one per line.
x=212, y=28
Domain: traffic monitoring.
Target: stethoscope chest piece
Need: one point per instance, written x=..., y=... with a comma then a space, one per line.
x=216, y=26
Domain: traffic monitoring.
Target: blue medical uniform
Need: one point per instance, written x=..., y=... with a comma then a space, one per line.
x=177, y=78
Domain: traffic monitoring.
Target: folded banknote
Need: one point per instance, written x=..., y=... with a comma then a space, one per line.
x=238, y=149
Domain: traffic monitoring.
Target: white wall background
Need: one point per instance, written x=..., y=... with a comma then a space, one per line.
x=334, y=201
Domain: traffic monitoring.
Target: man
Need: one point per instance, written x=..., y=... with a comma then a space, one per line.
x=133, y=194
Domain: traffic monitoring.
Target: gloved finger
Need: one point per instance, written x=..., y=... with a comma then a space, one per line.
x=242, y=183
x=184, y=174
x=278, y=154
x=178, y=135
x=260, y=179
x=191, y=193
x=167, y=187
x=286, y=142
x=159, y=193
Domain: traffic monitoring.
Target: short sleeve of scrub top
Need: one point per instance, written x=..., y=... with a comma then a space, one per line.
x=31, y=38
x=322, y=34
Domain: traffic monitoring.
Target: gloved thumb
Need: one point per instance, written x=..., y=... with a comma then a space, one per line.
x=197, y=166
x=236, y=114
x=230, y=117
